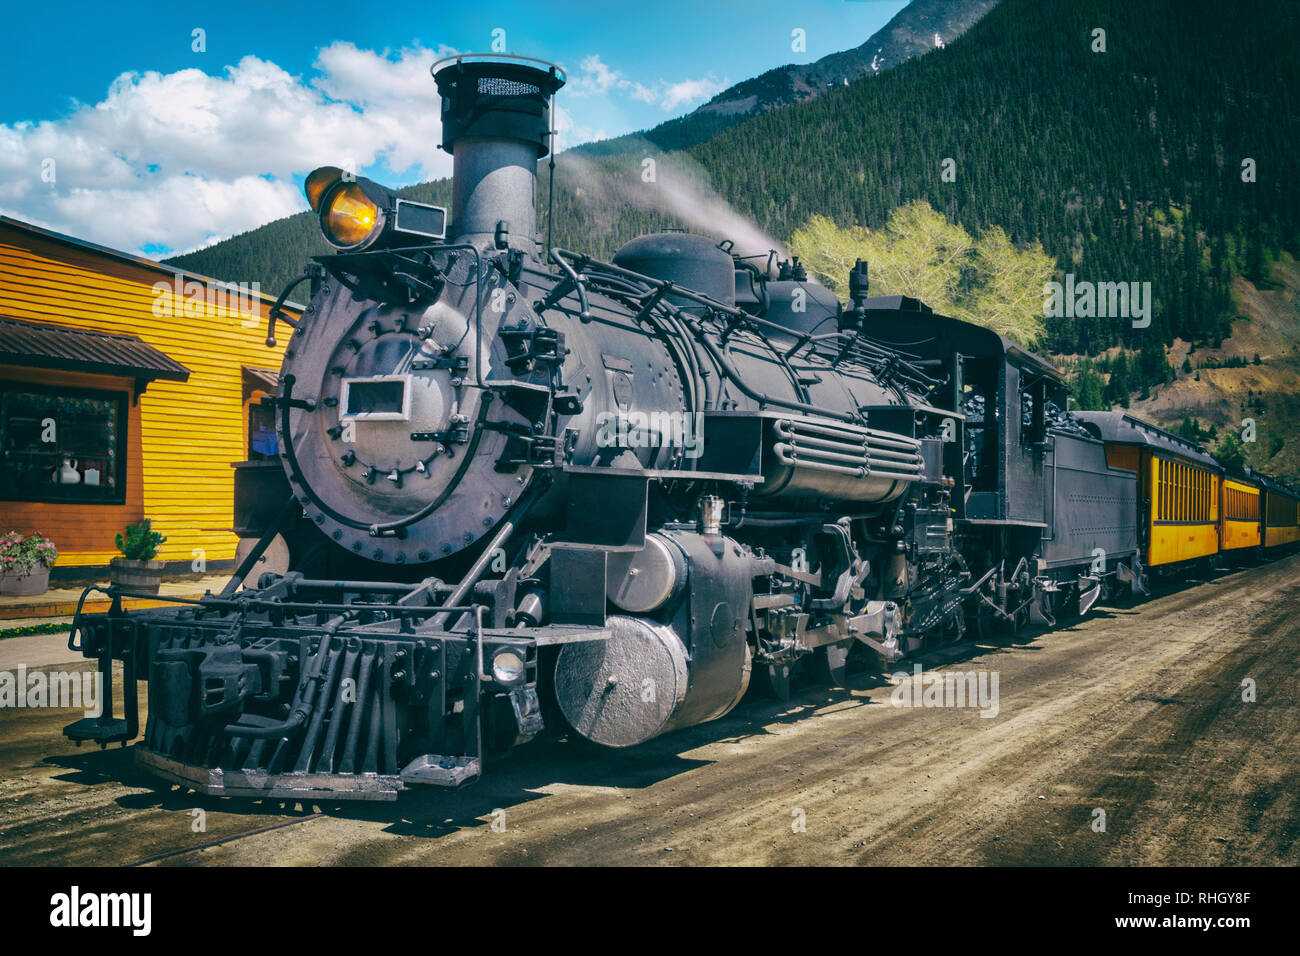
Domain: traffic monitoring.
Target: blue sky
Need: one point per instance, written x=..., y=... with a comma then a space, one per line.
x=107, y=106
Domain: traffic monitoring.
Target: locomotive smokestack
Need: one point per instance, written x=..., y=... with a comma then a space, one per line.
x=496, y=125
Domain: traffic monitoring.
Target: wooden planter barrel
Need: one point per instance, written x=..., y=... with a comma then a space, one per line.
x=142, y=576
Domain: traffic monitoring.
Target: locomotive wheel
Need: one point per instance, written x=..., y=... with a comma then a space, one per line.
x=983, y=624
x=830, y=664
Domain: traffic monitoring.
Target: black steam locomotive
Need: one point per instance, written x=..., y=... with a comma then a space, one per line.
x=518, y=492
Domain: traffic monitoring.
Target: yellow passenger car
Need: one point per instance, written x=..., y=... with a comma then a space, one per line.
x=1178, y=503
x=1240, y=508
x=1184, y=506
x=1281, y=513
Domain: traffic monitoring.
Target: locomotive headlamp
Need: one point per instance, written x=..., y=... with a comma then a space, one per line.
x=507, y=667
x=348, y=217
x=357, y=213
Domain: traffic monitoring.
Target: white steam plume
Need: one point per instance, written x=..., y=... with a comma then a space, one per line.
x=674, y=185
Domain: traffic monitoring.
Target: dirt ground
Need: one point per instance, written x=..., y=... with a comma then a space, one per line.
x=1136, y=711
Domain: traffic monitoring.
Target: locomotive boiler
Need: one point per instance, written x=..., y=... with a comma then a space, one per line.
x=522, y=489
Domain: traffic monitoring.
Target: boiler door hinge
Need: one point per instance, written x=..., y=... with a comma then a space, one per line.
x=459, y=364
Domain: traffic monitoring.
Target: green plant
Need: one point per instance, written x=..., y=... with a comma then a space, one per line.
x=22, y=554
x=140, y=542
x=1230, y=451
x=53, y=627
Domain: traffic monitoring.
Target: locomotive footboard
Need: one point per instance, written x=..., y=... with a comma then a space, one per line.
x=319, y=689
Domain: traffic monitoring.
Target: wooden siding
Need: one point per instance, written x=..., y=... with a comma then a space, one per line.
x=1122, y=456
x=184, y=435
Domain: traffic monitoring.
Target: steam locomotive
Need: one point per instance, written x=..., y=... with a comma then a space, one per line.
x=520, y=488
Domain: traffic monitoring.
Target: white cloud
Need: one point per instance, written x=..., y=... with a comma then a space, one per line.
x=595, y=77
x=643, y=93
x=570, y=133
x=690, y=91
x=178, y=159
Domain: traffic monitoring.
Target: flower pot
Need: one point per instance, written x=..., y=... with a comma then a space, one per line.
x=142, y=576
x=37, y=581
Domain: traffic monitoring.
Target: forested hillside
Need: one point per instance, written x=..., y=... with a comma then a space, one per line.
x=909, y=33
x=1126, y=164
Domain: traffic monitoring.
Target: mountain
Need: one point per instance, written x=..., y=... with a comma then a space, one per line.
x=1252, y=377
x=1162, y=156
x=1138, y=162
x=921, y=26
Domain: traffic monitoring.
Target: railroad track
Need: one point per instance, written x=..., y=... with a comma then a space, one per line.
x=225, y=840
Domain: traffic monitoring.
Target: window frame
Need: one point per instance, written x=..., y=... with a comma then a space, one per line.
x=123, y=401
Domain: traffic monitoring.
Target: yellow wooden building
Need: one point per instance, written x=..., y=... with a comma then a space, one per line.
x=127, y=390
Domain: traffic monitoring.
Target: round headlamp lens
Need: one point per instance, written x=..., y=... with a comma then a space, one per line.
x=507, y=667
x=349, y=217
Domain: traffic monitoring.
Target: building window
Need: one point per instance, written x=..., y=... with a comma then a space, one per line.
x=261, y=432
x=62, y=444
